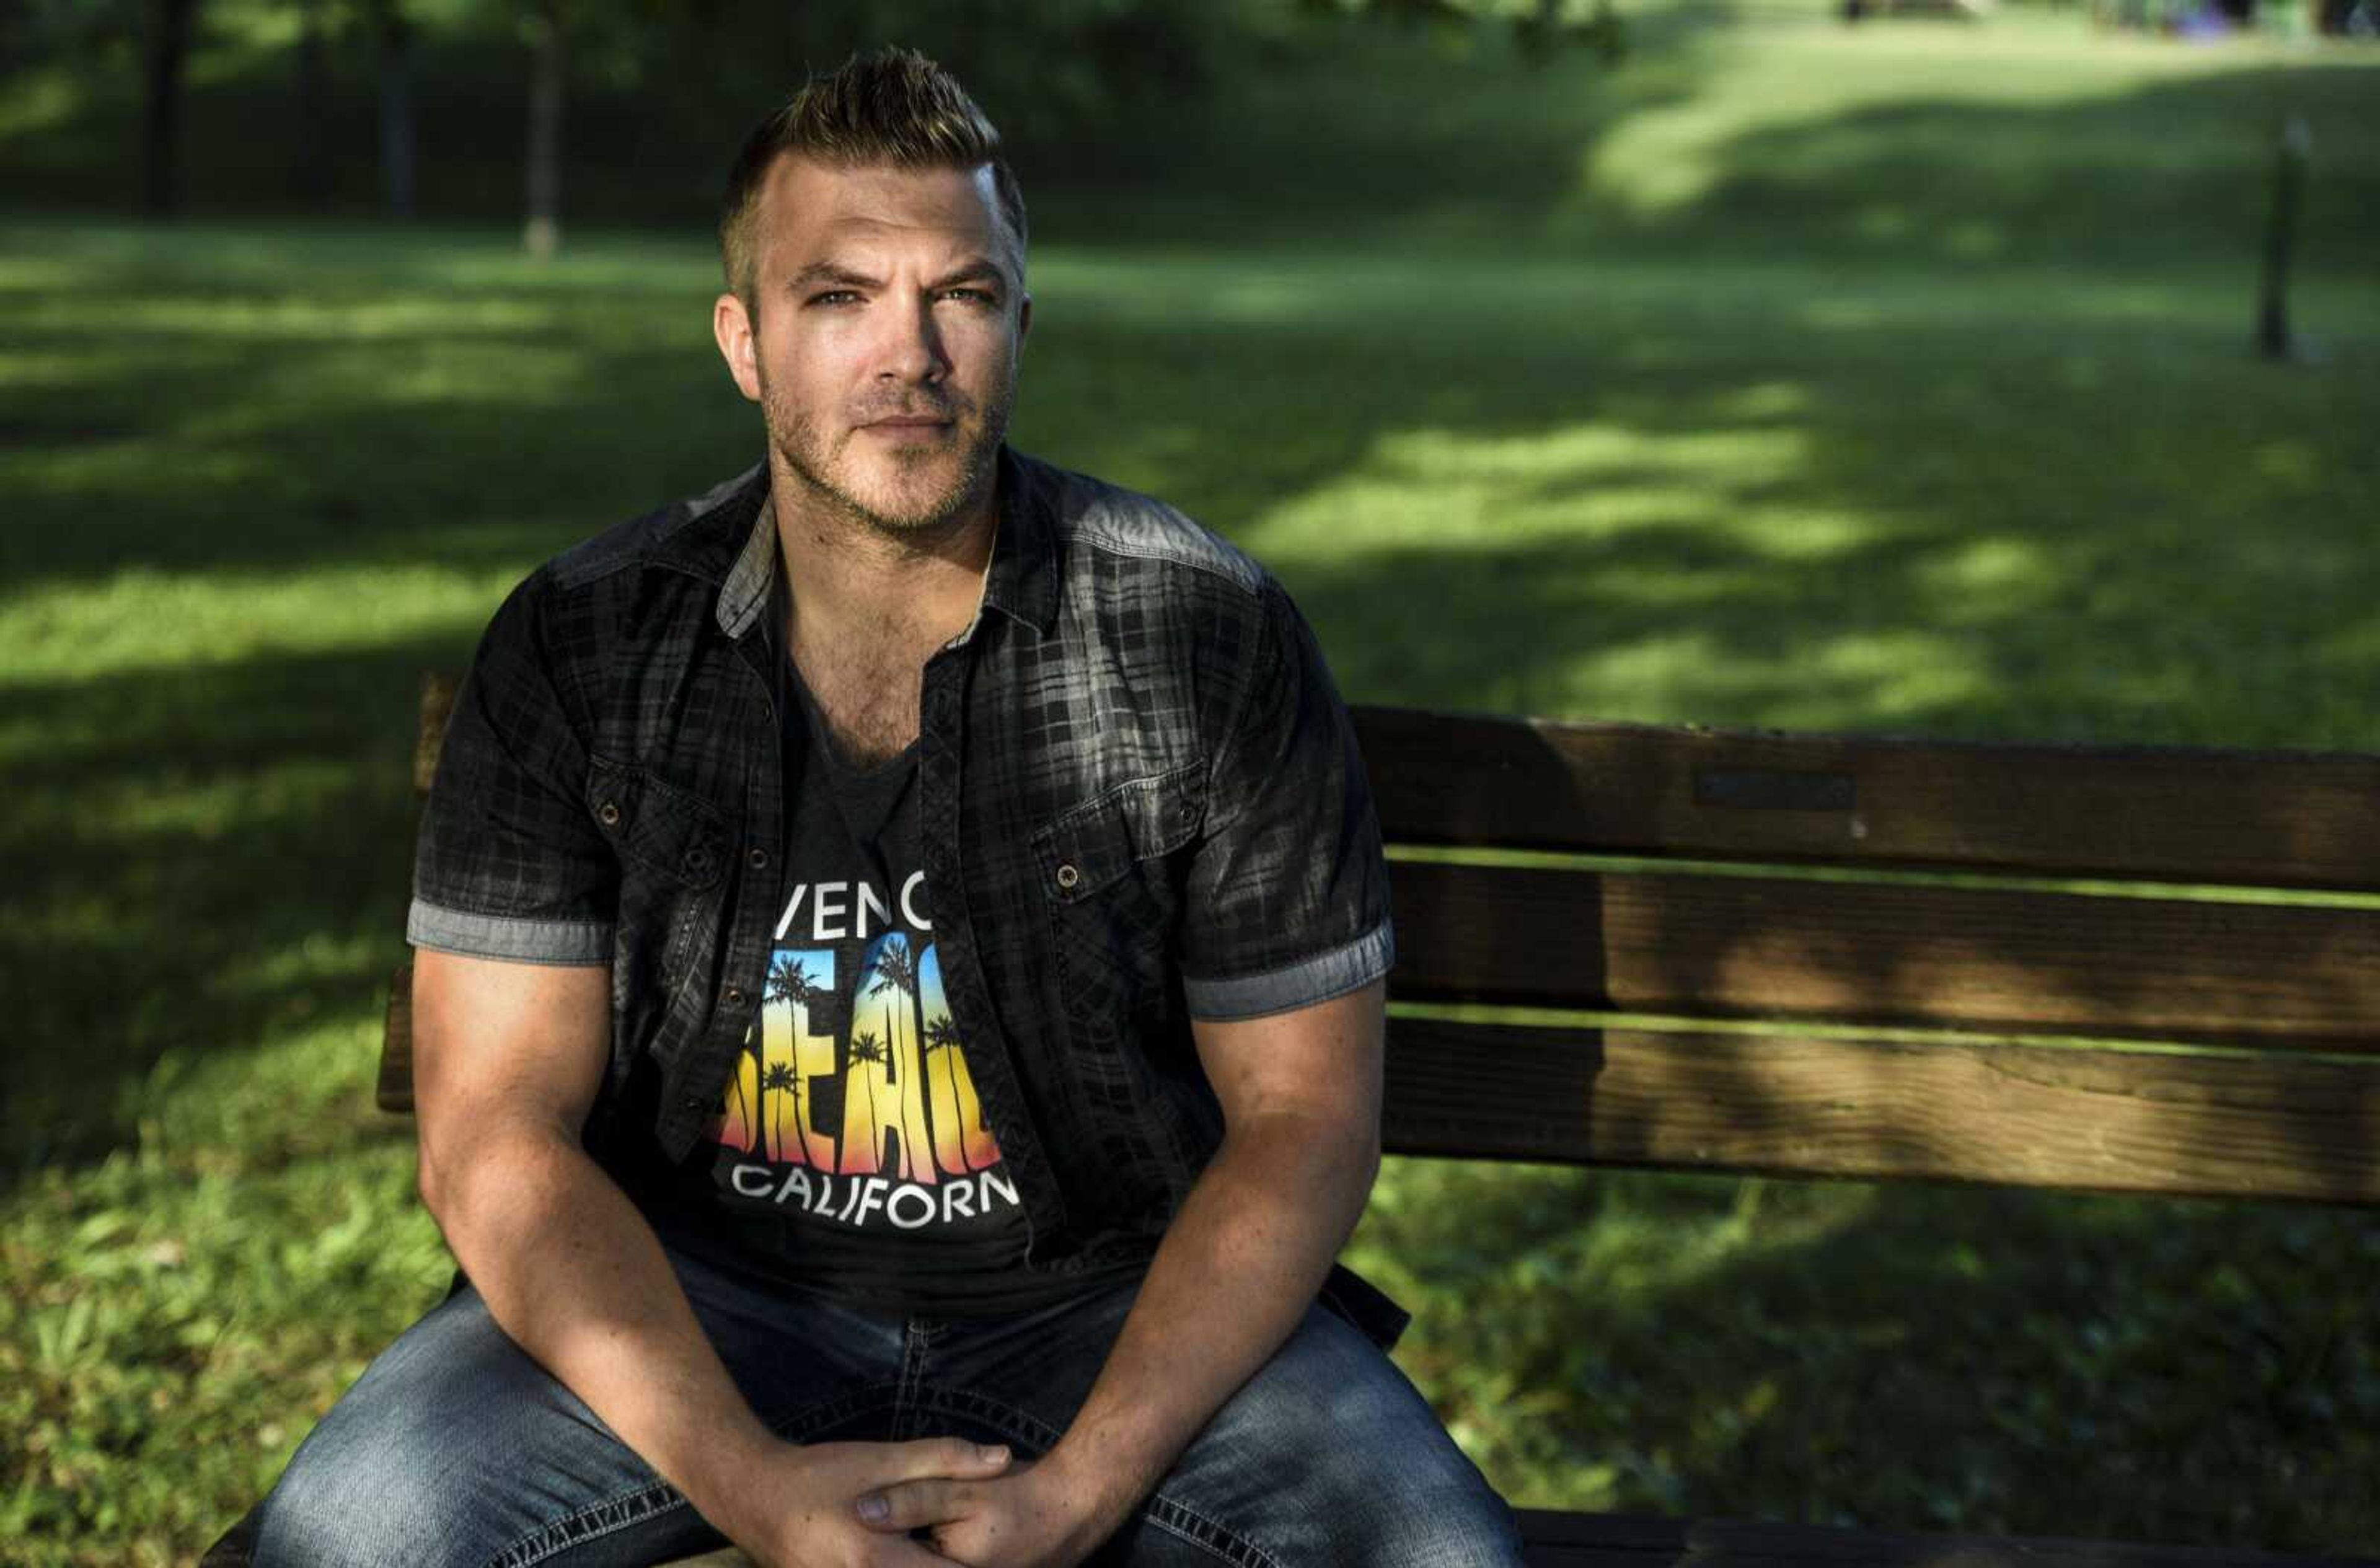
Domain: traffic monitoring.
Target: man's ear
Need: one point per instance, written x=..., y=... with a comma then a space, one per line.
x=1024, y=321
x=732, y=325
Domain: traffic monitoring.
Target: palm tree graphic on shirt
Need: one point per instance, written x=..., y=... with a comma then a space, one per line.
x=863, y=1152
x=900, y=1085
x=782, y=1086
x=962, y=1142
x=896, y=971
x=789, y=983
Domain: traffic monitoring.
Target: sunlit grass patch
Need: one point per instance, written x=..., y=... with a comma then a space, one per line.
x=157, y=621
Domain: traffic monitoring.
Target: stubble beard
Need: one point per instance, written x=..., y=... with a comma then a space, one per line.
x=914, y=515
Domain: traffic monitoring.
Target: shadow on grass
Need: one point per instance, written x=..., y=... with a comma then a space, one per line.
x=1900, y=1356
x=201, y=860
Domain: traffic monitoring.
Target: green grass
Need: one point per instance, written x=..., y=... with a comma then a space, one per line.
x=1893, y=379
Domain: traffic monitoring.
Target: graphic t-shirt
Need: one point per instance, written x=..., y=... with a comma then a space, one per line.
x=851, y=1155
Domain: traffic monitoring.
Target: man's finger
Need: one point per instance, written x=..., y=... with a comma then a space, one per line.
x=911, y=1505
x=954, y=1457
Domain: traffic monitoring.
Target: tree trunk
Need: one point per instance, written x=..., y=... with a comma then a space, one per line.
x=312, y=173
x=161, y=131
x=542, y=232
x=2272, y=337
x=393, y=36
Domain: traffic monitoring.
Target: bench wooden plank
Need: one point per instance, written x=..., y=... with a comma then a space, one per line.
x=1552, y=1539
x=1799, y=1105
x=1890, y=954
x=1596, y=1540
x=1721, y=947
x=437, y=705
x=2275, y=818
x=2159, y=813
x=394, y=1090
x=1782, y=1104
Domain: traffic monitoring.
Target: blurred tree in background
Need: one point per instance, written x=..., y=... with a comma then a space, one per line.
x=640, y=101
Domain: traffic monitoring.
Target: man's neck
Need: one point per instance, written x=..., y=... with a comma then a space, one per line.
x=853, y=581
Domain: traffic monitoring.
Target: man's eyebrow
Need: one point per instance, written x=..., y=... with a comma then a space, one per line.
x=980, y=270
x=828, y=272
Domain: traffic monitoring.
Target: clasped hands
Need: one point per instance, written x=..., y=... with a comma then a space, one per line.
x=923, y=1505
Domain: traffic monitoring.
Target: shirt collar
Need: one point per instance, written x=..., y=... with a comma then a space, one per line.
x=746, y=593
x=1021, y=582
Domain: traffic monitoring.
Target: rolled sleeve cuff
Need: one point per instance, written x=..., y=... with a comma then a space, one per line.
x=1301, y=984
x=498, y=936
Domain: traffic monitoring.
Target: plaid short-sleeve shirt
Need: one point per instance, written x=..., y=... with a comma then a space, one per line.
x=1140, y=802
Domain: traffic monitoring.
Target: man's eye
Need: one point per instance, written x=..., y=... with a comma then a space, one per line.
x=972, y=296
x=835, y=297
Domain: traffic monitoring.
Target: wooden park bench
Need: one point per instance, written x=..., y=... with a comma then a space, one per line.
x=1866, y=958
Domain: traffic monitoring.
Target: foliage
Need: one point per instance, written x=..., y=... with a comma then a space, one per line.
x=657, y=91
x=1540, y=26
x=1789, y=376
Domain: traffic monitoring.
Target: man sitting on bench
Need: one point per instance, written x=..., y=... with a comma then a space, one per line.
x=899, y=1008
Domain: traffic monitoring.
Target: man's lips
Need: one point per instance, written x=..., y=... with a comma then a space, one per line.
x=906, y=423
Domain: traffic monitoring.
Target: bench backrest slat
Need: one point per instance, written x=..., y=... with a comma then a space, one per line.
x=2261, y=820
x=1793, y=1105
x=437, y=705
x=1780, y=1104
x=1784, y=1105
x=1890, y=953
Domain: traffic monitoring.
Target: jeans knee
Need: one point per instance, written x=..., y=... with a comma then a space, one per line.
x=361, y=1502
x=308, y=1518
x=1455, y=1527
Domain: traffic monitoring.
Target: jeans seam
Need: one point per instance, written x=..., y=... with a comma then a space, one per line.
x=590, y=1521
x=822, y=1412
x=1017, y=1424
x=917, y=1338
x=1205, y=1533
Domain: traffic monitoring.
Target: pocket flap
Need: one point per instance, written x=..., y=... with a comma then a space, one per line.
x=1091, y=846
x=667, y=830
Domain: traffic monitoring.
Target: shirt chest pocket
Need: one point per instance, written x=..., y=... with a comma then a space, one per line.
x=1107, y=874
x=673, y=846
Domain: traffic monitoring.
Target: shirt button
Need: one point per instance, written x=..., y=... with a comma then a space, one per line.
x=1068, y=878
x=760, y=859
x=608, y=814
x=697, y=860
x=690, y=1102
x=734, y=996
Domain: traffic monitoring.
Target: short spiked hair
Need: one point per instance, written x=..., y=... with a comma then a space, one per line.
x=893, y=108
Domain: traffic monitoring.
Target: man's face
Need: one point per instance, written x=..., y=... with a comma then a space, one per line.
x=888, y=316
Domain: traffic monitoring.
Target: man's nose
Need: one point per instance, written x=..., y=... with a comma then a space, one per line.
x=912, y=349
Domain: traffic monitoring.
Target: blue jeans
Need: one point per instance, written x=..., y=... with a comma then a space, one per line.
x=455, y=1448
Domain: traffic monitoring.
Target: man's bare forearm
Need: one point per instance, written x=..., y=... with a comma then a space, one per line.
x=1263, y=1223
x=573, y=1274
